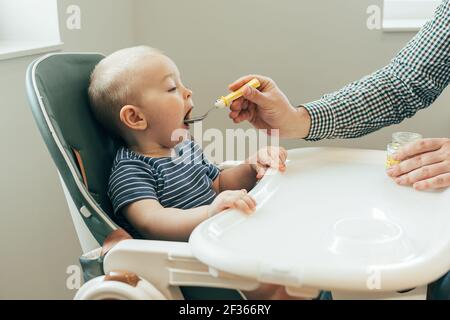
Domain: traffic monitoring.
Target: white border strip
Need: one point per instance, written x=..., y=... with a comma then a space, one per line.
x=407, y=15
x=11, y=51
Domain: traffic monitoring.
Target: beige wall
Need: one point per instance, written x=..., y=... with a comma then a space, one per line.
x=309, y=47
x=37, y=237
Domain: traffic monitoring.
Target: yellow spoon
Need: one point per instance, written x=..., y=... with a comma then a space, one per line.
x=225, y=102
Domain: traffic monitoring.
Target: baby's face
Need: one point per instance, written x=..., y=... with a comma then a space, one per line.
x=165, y=101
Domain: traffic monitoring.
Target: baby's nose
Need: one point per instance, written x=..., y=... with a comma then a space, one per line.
x=188, y=93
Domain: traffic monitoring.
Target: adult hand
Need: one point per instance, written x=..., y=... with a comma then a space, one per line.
x=268, y=108
x=425, y=164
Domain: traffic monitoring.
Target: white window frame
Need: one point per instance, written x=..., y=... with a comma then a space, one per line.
x=28, y=27
x=407, y=15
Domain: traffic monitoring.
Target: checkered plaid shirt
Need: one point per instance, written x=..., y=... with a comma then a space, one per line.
x=412, y=81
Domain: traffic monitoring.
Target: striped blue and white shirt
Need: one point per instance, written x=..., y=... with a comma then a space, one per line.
x=411, y=82
x=183, y=181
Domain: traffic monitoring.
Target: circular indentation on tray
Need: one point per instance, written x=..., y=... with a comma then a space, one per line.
x=369, y=239
x=366, y=230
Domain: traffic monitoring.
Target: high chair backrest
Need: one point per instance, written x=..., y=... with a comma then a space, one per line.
x=57, y=89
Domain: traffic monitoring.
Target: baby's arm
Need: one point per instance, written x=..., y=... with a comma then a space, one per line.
x=153, y=221
x=240, y=177
x=245, y=175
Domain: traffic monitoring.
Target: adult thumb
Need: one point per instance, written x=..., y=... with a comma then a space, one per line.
x=253, y=95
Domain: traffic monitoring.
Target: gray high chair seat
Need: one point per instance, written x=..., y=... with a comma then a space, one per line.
x=57, y=86
x=83, y=152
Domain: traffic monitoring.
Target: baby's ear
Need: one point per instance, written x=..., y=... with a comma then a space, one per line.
x=133, y=118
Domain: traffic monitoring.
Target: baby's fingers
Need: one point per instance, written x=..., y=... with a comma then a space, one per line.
x=260, y=171
x=282, y=157
x=266, y=159
x=241, y=205
x=250, y=202
x=278, y=158
x=246, y=204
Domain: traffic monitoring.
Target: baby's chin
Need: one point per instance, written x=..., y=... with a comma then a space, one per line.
x=185, y=126
x=180, y=134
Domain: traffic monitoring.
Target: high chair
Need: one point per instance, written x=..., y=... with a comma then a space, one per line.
x=333, y=222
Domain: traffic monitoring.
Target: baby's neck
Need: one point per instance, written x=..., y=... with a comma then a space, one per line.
x=151, y=149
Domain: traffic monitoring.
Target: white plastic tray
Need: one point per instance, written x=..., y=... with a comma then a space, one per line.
x=333, y=220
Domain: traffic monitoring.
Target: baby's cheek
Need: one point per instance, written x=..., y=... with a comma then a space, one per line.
x=170, y=115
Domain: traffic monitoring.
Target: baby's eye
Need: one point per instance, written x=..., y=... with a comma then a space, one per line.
x=173, y=89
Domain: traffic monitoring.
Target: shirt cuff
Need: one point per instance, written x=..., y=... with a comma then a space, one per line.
x=322, y=120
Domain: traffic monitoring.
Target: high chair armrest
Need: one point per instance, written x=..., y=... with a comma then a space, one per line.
x=168, y=265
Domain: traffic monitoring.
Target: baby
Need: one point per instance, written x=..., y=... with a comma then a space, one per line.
x=138, y=96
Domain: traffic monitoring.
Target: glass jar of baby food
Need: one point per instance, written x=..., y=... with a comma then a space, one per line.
x=399, y=139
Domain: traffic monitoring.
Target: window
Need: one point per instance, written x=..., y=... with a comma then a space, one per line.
x=28, y=27
x=407, y=15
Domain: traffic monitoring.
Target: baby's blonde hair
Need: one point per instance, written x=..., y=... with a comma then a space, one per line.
x=110, y=86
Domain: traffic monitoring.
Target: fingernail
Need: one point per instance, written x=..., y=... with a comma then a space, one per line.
x=247, y=90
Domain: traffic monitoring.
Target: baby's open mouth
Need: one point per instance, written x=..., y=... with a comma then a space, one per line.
x=188, y=116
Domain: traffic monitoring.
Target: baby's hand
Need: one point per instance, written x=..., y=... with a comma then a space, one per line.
x=238, y=199
x=269, y=157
